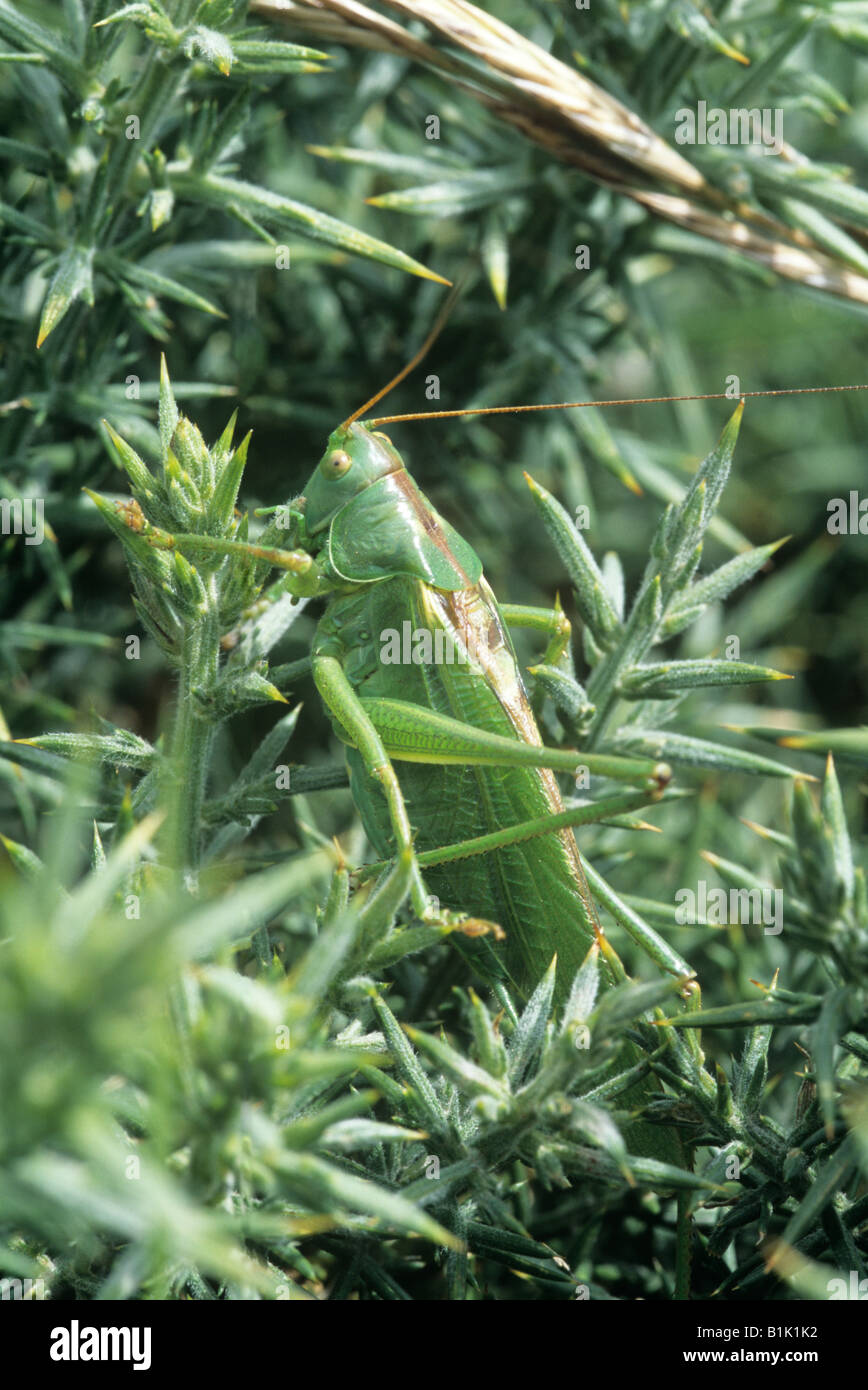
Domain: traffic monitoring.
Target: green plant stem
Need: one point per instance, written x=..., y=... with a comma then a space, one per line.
x=683, y=1250
x=191, y=740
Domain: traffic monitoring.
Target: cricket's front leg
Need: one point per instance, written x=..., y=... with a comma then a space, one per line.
x=343, y=702
x=553, y=622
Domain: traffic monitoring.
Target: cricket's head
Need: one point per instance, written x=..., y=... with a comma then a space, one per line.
x=362, y=504
x=355, y=458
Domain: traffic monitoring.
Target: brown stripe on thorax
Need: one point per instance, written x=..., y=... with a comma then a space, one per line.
x=428, y=520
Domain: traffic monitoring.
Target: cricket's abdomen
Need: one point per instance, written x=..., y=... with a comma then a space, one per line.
x=533, y=890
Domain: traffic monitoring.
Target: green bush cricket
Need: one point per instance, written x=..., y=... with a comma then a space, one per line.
x=476, y=806
x=472, y=760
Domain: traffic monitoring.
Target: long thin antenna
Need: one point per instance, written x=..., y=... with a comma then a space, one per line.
x=440, y=320
x=577, y=405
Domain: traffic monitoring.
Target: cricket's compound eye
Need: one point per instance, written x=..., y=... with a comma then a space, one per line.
x=336, y=464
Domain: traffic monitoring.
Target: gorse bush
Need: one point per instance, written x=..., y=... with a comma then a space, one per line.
x=236, y=1065
x=236, y=1090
